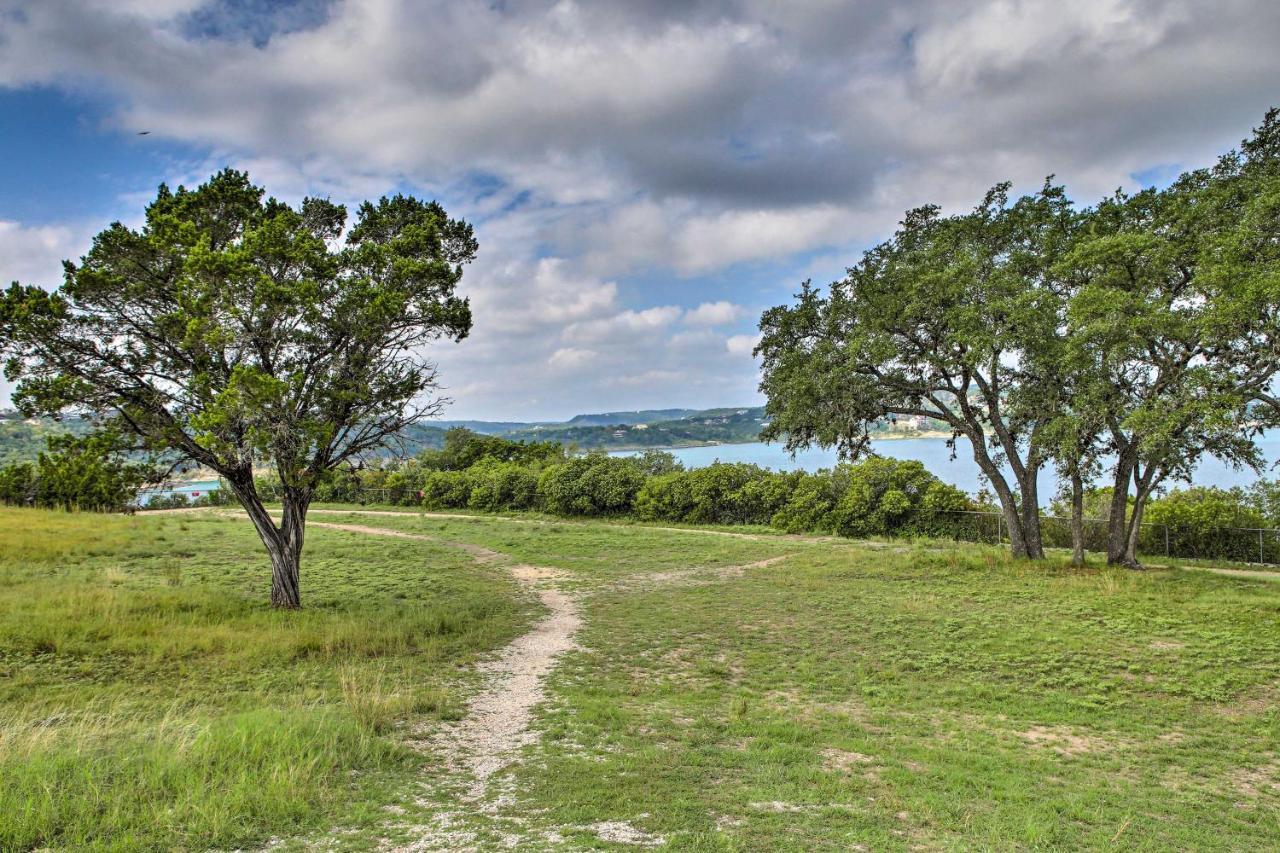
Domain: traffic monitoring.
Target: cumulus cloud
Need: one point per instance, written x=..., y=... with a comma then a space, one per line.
x=740, y=345
x=714, y=314
x=34, y=254
x=594, y=143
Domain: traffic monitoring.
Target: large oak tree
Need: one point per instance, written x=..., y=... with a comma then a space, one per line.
x=954, y=318
x=238, y=331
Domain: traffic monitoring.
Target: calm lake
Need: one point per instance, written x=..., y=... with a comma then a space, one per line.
x=961, y=472
x=192, y=490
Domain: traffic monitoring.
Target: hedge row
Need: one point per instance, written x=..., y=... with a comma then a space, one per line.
x=872, y=497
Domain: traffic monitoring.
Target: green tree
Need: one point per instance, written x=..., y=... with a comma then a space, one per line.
x=1173, y=324
x=236, y=330
x=947, y=320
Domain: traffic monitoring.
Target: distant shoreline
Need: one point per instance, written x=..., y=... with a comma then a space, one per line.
x=203, y=476
x=895, y=436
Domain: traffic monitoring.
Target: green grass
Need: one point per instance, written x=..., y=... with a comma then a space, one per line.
x=914, y=695
x=889, y=695
x=150, y=699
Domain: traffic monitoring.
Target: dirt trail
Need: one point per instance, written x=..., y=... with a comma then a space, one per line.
x=498, y=722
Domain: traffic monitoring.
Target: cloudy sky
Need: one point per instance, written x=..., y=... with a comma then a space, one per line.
x=645, y=177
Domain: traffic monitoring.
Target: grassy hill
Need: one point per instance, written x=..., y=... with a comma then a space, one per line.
x=722, y=692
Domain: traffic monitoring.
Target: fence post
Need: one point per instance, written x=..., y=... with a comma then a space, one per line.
x=999, y=529
x=1166, y=541
x=1260, y=560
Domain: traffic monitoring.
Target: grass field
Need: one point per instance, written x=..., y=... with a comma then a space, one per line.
x=725, y=692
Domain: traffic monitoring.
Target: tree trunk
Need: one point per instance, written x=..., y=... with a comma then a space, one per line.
x=1031, y=514
x=1135, y=531
x=1142, y=493
x=283, y=542
x=284, y=566
x=1117, y=517
x=1077, y=520
x=1014, y=517
x=284, y=575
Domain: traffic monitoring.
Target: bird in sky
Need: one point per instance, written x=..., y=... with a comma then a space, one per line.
x=143, y=132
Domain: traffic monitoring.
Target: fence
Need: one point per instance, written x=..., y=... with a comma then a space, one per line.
x=1237, y=544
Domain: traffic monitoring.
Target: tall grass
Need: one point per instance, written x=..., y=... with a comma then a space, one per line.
x=151, y=699
x=100, y=780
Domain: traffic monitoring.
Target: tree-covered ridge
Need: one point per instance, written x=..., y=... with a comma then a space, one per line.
x=22, y=439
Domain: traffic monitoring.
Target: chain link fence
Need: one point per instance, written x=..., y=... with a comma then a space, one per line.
x=1235, y=544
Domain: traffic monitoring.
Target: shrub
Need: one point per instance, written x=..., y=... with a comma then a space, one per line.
x=446, y=489
x=808, y=507
x=18, y=484
x=655, y=462
x=595, y=484
x=884, y=497
x=723, y=493
x=665, y=497
x=1196, y=518
x=502, y=485
x=404, y=483
x=464, y=448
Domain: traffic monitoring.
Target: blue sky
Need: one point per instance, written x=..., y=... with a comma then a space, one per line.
x=644, y=178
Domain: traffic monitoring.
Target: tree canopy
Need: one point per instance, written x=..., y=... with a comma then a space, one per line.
x=1143, y=331
x=239, y=331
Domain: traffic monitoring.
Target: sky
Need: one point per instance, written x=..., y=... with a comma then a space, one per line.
x=644, y=178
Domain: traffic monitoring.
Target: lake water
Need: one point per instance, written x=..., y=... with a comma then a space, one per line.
x=191, y=490
x=961, y=472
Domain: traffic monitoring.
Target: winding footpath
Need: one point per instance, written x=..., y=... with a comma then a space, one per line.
x=498, y=723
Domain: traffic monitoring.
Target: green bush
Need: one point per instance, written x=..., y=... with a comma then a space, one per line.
x=595, y=484
x=446, y=489
x=887, y=497
x=723, y=493
x=1196, y=518
x=665, y=497
x=87, y=472
x=502, y=485
x=18, y=484
x=808, y=507
x=733, y=493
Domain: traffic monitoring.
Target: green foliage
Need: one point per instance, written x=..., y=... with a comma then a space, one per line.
x=808, y=507
x=446, y=489
x=87, y=472
x=594, y=484
x=19, y=485
x=874, y=497
x=884, y=496
x=723, y=493
x=464, y=448
x=502, y=485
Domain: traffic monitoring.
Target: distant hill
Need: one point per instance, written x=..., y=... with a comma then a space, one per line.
x=689, y=427
x=643, y=416
x=22, y=439
x=485, y=427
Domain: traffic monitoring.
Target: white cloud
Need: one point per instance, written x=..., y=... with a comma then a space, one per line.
x=571, y=358
x=591, y=142
x=34, y=254
x=714, y=314
x=741, y=344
